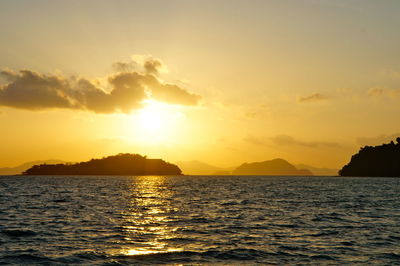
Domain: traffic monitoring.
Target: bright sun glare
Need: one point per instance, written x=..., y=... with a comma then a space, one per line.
x=152, y=117
x=157, y=121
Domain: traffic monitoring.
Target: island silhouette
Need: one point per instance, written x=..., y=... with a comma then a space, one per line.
x=120, y=164
x=272, y=167
x=374, y=161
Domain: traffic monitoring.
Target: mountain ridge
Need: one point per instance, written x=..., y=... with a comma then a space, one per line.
x=276, y=166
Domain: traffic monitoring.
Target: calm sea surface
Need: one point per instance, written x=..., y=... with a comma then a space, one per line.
x=106, y=220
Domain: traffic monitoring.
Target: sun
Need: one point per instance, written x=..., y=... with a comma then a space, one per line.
x=152, y=117
x=157, y=122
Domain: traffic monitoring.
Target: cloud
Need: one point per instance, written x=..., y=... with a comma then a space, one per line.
x=316, y=97
x=170, y=93
x=124, y=66
x=381, y=92
x=377, y=140
x=153, y=66
x=376, y=92
x=124, y=91
x=285, y=140
x=144, y=63
x=259, y=141
x=34, y=91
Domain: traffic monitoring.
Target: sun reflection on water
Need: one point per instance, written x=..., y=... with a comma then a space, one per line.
x=144, y=251
x=146, y=225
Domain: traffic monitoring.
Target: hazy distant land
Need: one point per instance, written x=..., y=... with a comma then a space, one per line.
x=201, y=168
x=318, y=171
x=273, y=167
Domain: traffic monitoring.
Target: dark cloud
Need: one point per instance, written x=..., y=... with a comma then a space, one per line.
x=290, y=141
x=34, y=91
x=30, y=90
x=152, y=66
x=316, y=97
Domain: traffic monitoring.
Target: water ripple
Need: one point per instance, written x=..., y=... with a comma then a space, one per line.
x=101, y=220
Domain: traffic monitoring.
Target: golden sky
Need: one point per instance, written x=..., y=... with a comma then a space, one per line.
x=224, y=82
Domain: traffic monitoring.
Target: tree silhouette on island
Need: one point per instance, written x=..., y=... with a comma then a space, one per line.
x=121, y=164
x=382, y=160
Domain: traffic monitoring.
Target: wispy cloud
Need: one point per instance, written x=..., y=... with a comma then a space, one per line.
x=382, y=91
x=259, y=141
x=285, y=140
x=316, y=97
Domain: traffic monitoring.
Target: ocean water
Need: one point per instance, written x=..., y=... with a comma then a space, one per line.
x=196, y=220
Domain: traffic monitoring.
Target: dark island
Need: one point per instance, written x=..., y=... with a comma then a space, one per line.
x=121, y=164
x=382, y=160
x=277, y=167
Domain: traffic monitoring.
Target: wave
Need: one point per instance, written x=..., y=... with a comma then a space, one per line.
x=102, y=221
x=25, y=259
x=284, y=255
x=326, y=233
x=210, y=256
x=18, y=233
x=322, y=257
x=191, y=256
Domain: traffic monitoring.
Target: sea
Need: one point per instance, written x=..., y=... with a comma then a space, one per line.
x=199, y=220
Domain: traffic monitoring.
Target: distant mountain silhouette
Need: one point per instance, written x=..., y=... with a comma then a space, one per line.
x=121, y=164
x=23, y=167
x=272, y=167
x=201, y=168
x=319, y=171
x=383, y=160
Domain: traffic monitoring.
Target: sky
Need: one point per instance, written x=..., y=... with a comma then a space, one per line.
x=223, y=82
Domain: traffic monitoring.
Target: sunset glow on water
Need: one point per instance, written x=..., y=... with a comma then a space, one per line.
x=199, y=220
